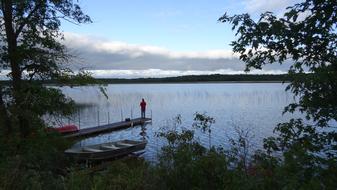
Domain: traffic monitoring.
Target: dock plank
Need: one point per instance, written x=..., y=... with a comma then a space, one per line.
x=107, y=128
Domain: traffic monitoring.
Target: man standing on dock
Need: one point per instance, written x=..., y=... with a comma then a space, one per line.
x=143, y=108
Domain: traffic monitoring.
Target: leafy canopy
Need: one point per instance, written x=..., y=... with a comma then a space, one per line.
x=31, y=49
x=306, y=36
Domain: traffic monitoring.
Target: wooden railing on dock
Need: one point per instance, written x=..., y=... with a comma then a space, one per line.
x=107, y=128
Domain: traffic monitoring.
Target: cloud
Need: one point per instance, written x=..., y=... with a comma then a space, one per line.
x=260, y=6
x=135, y=51
x=113, y=59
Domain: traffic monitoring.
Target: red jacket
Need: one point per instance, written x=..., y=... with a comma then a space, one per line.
x=143, y=105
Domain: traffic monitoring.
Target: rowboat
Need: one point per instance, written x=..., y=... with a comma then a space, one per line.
x=106, y=150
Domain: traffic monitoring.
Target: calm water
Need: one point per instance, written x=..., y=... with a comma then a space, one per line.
x=256, y=107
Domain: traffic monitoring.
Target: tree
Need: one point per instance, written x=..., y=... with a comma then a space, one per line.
x=31, y=49
x=306, y=35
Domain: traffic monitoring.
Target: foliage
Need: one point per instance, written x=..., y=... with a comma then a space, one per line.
x=128, y=173
x=240, y=151
x=306, y=36
x=31, y=49
x=203, y=121
x=37, y=163
x=185, y=164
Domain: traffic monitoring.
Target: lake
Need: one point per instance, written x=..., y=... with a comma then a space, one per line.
x=254, y=107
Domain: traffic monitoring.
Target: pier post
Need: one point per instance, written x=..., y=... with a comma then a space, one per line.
x=131, y=113
x=79, y=119
x=97, y=117
x=121, y=115
x=108, y=117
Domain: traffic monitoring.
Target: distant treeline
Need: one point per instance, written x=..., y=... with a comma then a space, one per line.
x=204, y=78
x=193, y=78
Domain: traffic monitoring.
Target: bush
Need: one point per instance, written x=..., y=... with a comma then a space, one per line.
x=36, y=162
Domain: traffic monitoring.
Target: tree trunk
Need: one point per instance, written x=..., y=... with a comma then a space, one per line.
x=14, y=60
x=5, y=123
x=12, y=45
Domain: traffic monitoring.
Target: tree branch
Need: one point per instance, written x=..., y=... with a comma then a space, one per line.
x=26, y=19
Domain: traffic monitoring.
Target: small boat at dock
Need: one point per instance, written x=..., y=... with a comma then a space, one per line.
x=65, y=129
x=106, y=151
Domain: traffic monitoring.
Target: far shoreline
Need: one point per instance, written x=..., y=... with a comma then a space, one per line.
x=189, y=79
x=199, y=82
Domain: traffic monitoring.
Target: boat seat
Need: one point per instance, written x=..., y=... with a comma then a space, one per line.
x=91, y=149
x=125, y=144
x=111, y=146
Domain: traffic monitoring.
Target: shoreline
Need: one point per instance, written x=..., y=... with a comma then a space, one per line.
x=193, y=82
x=189, y=79
x=168, y=82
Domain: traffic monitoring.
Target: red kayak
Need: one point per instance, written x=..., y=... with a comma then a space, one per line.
x=66, y=129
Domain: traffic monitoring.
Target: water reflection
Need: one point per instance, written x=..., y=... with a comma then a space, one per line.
x=143, y=133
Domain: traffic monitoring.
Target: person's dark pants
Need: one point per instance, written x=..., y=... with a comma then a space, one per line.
x=143, y=113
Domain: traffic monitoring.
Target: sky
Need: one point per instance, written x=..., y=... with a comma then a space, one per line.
x=159, y=38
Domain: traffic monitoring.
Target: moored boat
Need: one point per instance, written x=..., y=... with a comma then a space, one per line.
x=65, y=129
x=106, y=150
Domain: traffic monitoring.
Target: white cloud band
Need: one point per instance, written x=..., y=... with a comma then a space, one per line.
x=158, y=73
x=134, y=50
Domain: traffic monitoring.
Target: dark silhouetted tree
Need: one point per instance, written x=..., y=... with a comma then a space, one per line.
x=31, y=50
x=306, y=35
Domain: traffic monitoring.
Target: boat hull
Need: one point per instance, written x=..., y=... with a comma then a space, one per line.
x=102, y=151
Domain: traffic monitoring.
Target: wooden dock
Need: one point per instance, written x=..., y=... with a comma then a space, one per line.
x=107, y=128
